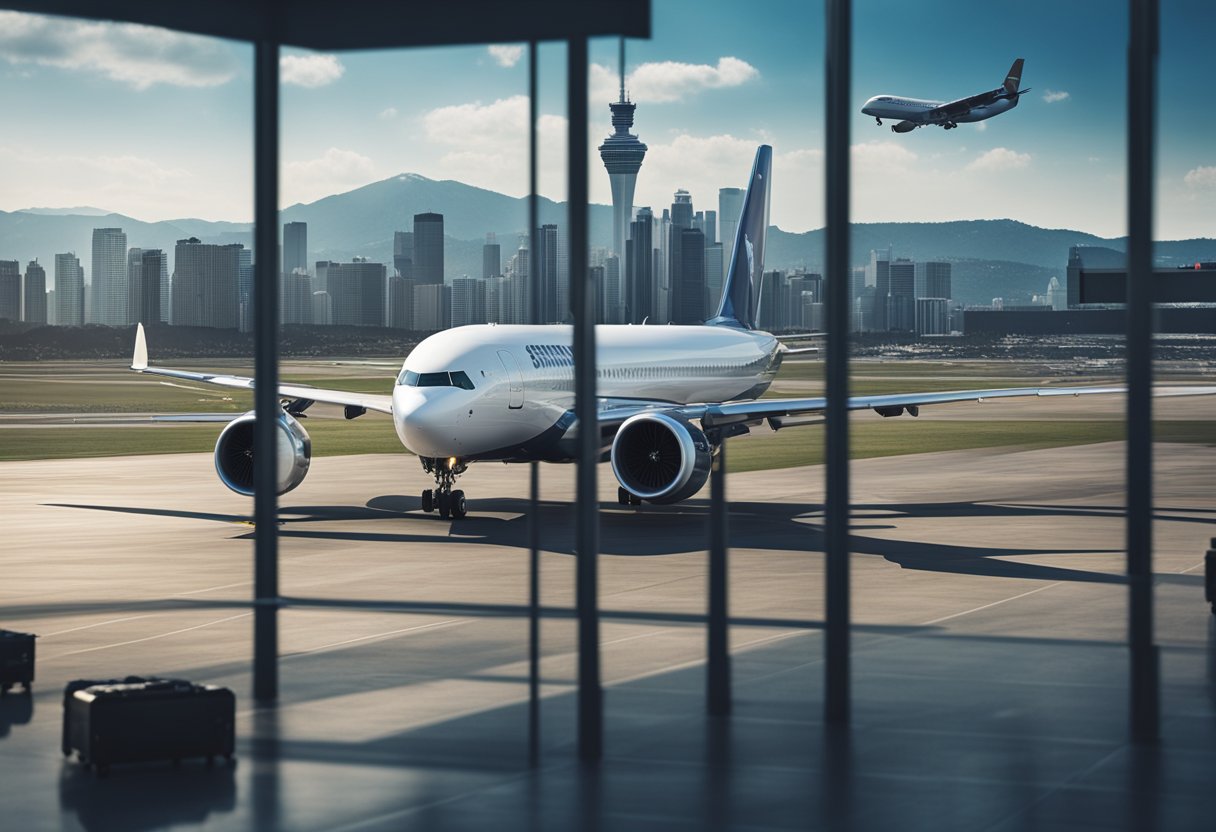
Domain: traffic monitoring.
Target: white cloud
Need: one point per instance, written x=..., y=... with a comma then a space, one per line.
x=505, y=55
x=999, y=159
x=487, y=145
x=1201, y=177
x=141, y=56
x=1052, y=96
x=334, y=172
x=982, y=126
x=670, y=80
x=388, y=113
x=310, y=70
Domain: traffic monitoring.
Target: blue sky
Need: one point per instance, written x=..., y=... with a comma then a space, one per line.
x=158, y=125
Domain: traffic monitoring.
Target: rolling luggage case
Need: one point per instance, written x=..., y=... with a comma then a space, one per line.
x=16, y=660
x=81, y=684
x=161, y=719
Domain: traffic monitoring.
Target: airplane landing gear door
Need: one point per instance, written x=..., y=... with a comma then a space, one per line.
x=516, y=379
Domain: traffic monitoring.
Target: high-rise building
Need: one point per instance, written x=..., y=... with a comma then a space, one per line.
x=432, y=307
x=428, y=248
x=205, y=281
x=296, y=301
x=901, y=302
x=639, y=269
x=109, y=279
x=10, y=290
x=357, y=291
x=69, y=290
x=711, y=227
x=769, y=313
x=622, y=153
x=610, y=289
x=730, y=206
x=322, y=309
x=681, y=210
x=295, y=248
x=491, y=257
x=933, y=279
x=403, y=253
x=35, y=293
x=713, y=275
x=931, y=316
x=879, y=276
x=144, y=284
x=244, y=290
x=543, y=264
x=401, y=302
x=688, y=295
x=468, y=301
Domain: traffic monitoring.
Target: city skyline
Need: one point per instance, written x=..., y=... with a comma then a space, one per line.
x=173, y=135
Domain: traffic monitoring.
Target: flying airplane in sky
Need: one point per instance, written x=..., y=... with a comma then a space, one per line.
x=668, y=396
x=917, y=112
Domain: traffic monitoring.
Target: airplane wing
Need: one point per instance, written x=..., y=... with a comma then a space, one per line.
x=956, y=109
x=369, y=401
x=784, y=412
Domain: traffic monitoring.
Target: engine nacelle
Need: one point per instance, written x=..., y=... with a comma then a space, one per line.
x=234, y=453
x=904, y=127
x=661, y=458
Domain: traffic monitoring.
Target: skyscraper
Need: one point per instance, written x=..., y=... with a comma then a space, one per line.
x=400, y=302
x=109, y=295
x=543, y=263
x=468, y=301
x=428, y=249
x=35, y=293
x=936, y=282
x=432, y=307
x=295, y=247
x=144, y=276
x=639, y=269
x=730, y=206
x=622, y=154
x=69, y=290
x=681, y=210
x=688, y=295
x=901, y=303
x=880, y=273
x=403, y=253
x=491, y=257
x=357, y=291
x=10, y=290
x=205, y=284
x=135, y=265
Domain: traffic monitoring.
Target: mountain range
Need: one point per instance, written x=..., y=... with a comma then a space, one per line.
x=992, y=258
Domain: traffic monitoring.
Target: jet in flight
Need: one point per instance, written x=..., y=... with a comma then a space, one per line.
x=917, y=112
x=668, y=396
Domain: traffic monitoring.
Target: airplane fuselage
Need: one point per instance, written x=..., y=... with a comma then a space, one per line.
x=916, y=110
x=515, y=399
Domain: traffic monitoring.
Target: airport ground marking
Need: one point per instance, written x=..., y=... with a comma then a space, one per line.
x=149, y=638
x=987, y=606
x=98, y=624
x=450, y=622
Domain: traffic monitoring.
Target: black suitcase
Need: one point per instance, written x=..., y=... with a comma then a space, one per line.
x=81, y=684
x=161, y=719
x=16, y=660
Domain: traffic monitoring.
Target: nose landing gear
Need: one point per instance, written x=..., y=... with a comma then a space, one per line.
x=442, y=498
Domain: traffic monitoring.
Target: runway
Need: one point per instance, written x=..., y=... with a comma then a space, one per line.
x=989, y=667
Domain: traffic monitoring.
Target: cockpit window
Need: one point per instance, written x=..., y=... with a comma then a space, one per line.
x=459, y=378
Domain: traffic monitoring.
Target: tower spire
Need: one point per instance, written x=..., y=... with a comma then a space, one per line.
x=622, y=67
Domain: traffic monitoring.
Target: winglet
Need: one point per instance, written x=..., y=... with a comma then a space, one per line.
x=139, y=360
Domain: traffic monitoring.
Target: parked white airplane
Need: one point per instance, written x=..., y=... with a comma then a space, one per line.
x=668, y=395
x=917, y=112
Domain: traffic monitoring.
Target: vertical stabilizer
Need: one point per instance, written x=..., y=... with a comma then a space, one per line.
x=1014, y=78
x=741, y=289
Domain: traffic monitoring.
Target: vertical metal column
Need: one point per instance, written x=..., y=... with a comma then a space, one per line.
x=534, y=480
x=717, y=678
x=266, y=370
x=1141, y=117
x=582, y=305
x=836, y=510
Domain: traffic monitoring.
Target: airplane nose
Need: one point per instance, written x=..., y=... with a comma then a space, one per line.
x=424, y=420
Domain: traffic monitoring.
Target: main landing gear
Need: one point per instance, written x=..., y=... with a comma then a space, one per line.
x=442, y=498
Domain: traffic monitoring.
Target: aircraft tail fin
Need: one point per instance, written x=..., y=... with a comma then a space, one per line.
x=1014, y=78
x=741, y=288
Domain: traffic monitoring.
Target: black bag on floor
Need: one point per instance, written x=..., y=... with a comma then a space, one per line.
x=16, y=660
x=81, y=684
x=149, y=719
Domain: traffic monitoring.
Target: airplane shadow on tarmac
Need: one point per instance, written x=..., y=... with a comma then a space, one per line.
x=650, y=530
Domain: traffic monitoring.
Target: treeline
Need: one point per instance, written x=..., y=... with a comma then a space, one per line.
x=32, y=342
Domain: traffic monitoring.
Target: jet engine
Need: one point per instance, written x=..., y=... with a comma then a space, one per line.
x=661, y=458
x=234, y=453
x=904, y=127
